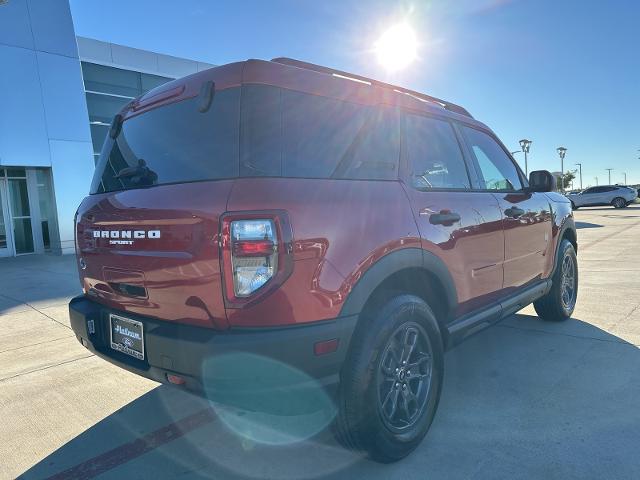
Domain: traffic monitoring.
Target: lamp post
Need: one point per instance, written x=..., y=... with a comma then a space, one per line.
x=609, y=170
x=625, y=177
x=596, y=181
x=525, y=145
x=580, y=165
x=561, y=152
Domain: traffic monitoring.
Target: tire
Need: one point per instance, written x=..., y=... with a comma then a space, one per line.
x=383, y=408
x=619, y=202
x=558, y=304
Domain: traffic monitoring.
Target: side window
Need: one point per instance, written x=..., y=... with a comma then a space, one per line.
x=433, y=153
x=260, y=132
x=293, y=134
x=329, y=138
x=375, y=155
x=496, y=168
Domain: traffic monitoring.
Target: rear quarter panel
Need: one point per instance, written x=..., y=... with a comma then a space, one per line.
x=340, y=228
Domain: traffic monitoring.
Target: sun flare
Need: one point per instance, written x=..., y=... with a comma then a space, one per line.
x=397, y=47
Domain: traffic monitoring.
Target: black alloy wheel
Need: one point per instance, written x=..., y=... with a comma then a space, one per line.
x=404, y=377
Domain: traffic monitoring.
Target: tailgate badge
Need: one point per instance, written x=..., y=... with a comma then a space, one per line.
x=125, y=237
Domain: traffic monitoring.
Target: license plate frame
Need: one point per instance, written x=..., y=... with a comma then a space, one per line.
x=126, y=340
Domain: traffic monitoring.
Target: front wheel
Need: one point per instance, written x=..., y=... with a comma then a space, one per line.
x=558, y=304
x=391, y=382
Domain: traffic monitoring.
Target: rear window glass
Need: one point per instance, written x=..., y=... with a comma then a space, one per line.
x=173, y=144
x=293, y=134
x=263, y=131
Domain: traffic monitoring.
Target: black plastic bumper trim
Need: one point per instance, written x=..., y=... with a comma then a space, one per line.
x=190, y=351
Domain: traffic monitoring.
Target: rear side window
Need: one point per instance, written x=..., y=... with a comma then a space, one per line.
x=293, y=134
x=261, y=132
x=496, y=168
x=174, y=143
x=433, y=153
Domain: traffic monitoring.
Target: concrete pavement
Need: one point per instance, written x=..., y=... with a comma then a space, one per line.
x=522, y=399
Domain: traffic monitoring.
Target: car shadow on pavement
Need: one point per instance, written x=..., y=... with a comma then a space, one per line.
x=525, y=398
x=580, y=225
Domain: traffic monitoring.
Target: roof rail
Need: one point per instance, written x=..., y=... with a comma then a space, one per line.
x=359, y=78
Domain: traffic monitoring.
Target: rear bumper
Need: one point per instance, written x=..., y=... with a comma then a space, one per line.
x=223, y=366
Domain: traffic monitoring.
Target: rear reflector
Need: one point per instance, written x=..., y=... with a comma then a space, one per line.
x=326, y=346
x=253, y=248
x=175, y=379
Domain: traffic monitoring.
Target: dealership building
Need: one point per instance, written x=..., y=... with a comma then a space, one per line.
x=58, y=94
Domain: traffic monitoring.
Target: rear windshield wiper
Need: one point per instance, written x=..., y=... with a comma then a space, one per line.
x=140, y=174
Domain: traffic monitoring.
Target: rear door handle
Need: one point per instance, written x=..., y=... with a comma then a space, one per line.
x=445, y=217
x=514, y=212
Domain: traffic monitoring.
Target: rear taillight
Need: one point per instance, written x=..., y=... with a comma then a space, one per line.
x=256, y=254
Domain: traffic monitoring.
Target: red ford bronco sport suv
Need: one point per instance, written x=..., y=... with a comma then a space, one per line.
x=338, y=227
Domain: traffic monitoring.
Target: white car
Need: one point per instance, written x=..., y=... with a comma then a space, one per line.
x=615, y=195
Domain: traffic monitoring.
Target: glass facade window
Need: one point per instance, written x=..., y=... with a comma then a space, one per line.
x=21, y=215
x=46, y=206
x=13, y=172
x=4, y=242
x=26, y=196
x=98, y=78
x=108, y=89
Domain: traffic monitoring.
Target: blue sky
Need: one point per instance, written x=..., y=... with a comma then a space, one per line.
x=557, y=72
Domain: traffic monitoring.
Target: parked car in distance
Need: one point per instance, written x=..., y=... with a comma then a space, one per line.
x=344, y=228
x=617, y=196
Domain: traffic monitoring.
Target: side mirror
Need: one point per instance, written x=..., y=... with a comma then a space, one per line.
x=541, y=181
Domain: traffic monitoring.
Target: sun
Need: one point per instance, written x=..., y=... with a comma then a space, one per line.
x=397, y=47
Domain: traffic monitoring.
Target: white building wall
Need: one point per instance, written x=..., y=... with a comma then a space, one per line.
x=43, y=111
x=43, y=116
x=128, y=58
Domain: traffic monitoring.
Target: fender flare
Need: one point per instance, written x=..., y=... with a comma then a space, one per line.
x=567, y=224
x=394, y=262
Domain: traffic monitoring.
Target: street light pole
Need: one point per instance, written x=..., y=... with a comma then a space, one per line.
x=561, y=152
x=525, y=145
x=580, y=165
x=609, y=169
x=625, y=177
x=596, y=181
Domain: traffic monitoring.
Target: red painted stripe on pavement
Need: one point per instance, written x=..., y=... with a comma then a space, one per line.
x=124, y=453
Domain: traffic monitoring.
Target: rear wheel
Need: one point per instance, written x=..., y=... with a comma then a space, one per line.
x=558, y=304
x=619, y=202
x=391, y=382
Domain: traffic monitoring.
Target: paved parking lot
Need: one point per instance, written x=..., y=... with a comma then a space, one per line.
x=523, y=399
